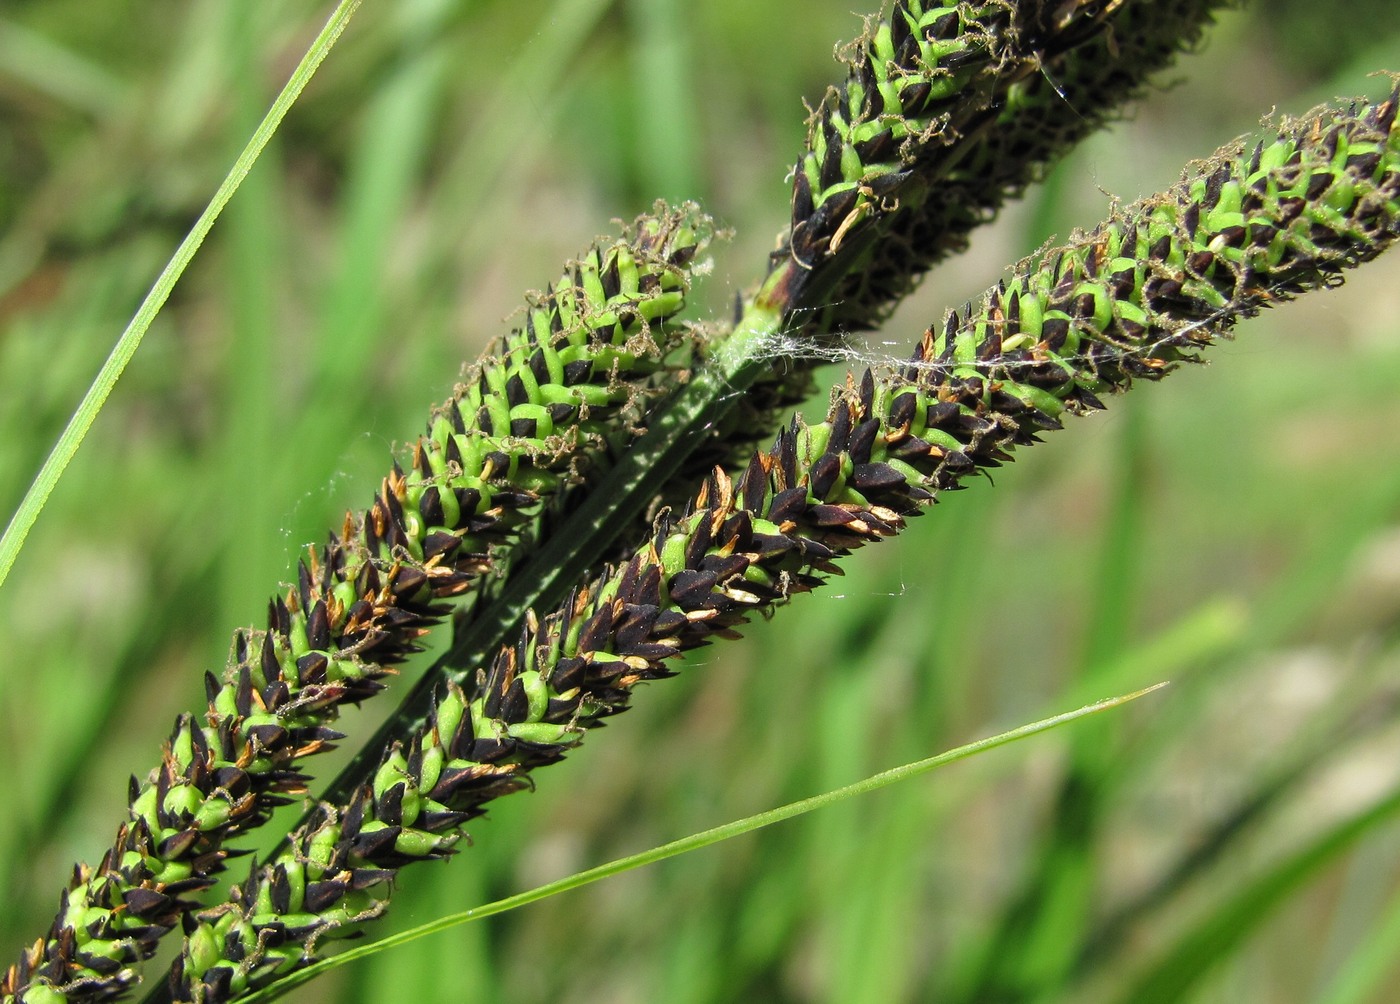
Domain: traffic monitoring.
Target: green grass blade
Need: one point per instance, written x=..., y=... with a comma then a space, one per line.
x=662, y=73
x=694, y=842
x=252, y=230
x=1041, y=930
x=72, y=437
x=1360, y=977
x=59, y=72
x=1174, y=975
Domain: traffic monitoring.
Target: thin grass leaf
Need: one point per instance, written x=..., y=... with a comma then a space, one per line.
x=1177, y=972
x=72, y=437
x=684, y=845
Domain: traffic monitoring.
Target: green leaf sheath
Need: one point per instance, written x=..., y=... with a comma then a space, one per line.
x=949, y=110
x=1146, y=290
x=544, y=405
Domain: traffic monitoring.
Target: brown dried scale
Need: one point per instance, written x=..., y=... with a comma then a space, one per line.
x=1146, y=290
x=541, y=406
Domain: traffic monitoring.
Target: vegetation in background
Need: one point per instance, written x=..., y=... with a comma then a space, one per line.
x=1234, y=532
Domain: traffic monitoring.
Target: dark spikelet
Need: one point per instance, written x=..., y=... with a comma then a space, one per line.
x=591, y=355
x=890, y=443
x=949, y=110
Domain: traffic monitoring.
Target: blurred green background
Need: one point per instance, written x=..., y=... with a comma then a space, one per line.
x=1235, y=530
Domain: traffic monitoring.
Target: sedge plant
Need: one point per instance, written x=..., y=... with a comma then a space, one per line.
x=608, y=488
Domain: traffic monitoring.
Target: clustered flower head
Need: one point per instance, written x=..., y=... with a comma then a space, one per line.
x=1143, y=292
x=543, y=408
x=950, y=108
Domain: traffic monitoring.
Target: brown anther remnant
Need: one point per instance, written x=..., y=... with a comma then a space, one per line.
x=361, y=602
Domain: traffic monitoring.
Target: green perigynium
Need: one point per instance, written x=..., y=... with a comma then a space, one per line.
x=543, y=409
x=1057, y=73
x=1143, y=292
x=949, y=110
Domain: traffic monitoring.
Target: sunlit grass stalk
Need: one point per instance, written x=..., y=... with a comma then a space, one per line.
x=15, y=533
x=692, y=842
x=543, y=408
x=1146, y=290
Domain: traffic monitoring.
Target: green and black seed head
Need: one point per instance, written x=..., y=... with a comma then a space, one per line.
x=540, y=411
x=1129, y=301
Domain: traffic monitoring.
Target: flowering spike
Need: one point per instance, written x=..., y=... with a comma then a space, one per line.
x=1091, y=320
x=505, y=442
x=949, y=110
